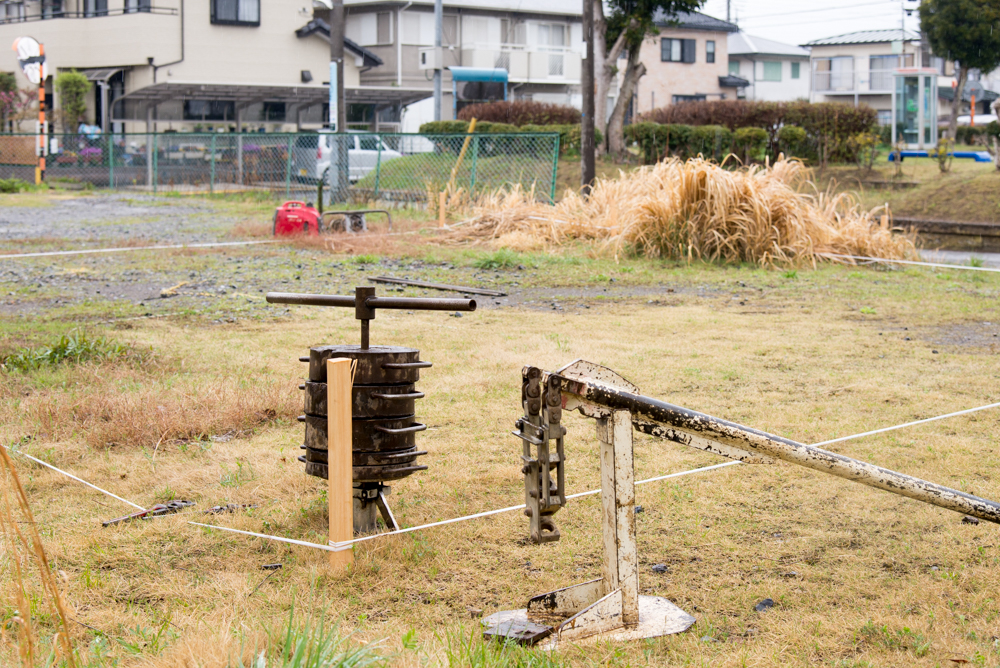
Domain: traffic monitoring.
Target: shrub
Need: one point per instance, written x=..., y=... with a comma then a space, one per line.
x=828, y=125
x=13, y=185
x=569, y=135
x=980, y=135
x=73, y=88
x=444, y=128
x=710, y=141
x=865, y=145
x=792, y=141
x=750, y=143
x=520, y=113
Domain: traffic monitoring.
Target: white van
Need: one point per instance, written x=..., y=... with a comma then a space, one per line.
x=311, y=155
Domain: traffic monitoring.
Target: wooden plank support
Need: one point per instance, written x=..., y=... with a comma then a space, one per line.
x=340, y=468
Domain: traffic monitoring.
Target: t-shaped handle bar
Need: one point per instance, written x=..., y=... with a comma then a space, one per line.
x=364, y=302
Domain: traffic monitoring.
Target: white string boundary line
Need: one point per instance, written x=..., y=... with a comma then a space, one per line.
x=338, y=546
x=125, y=249
x=70, y=475
x=921, y=264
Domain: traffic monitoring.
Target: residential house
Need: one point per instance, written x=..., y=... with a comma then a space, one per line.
x=540, y=44
x=218, y=64
x=688, y=60
x=776, y=71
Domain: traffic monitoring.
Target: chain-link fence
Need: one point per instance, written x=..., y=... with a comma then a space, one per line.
x=394, y=169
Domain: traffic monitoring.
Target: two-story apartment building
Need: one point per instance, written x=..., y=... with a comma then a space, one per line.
x=539, y=44
x=260, y=64
x=857, y=68
x=688, y=60
x=777, y=72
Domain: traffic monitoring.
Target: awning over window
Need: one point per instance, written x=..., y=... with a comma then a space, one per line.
x=101, y=73
x=495, y=75
x=132, y=106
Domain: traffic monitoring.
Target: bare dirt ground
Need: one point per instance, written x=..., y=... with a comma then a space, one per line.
x=201, y=405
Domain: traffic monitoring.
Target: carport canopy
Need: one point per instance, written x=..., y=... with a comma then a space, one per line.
x=134, y=105
x=491, y=74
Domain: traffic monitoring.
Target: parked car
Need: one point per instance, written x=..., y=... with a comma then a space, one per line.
x=311, y=154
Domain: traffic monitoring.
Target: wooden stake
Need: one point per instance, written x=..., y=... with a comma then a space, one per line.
x=339, y=463
x=442, y=202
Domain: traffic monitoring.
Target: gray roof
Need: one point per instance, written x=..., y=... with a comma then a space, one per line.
x=693, y=21
x=864, y=37
x=733, y=81
x=742, y=44
x=322, y=28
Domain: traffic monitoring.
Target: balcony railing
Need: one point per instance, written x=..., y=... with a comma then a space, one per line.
x=848, y=83
x=51, y=14
x=526, y=62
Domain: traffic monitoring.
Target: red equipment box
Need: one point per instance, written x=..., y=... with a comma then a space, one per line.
x=296, y=218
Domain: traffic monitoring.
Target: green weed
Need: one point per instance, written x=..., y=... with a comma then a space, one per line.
x=471, y=651
x=868, y=310
x=501, y=259
x=72, y=349
x=975, y=261
x=899, y=640
x=790, y=274
x=364, y=259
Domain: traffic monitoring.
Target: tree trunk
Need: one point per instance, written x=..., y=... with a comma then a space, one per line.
x=616, y=124
x=605, y=68
x=956, y=104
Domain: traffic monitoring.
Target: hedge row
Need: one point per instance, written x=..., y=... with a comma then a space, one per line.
x=829, y=126
x=657, y=141
x=979, y=135
x=569, y=135
x=521, y=113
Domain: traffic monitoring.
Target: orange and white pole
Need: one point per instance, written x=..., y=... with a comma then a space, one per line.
x=42, y=134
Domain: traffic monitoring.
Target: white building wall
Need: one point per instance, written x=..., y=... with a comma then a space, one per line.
x=786, y=90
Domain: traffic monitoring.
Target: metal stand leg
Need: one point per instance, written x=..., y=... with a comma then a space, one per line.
x=609, y=608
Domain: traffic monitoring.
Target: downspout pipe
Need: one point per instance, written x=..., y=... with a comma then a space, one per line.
x=179, y=60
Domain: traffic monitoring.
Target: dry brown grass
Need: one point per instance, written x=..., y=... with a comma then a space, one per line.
x=693, y=209
x=861, y=577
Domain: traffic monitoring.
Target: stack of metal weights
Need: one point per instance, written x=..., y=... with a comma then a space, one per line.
x=383, y=424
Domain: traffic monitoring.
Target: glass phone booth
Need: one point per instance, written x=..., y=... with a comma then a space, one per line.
x=914, y=107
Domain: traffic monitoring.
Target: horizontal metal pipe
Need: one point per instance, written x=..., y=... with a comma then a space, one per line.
x=399, y=303
x=309, y=300
x=754, y=440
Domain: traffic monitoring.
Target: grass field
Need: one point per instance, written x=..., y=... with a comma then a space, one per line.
x=201, y=405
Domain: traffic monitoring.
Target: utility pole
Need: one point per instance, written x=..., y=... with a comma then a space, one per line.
x=338, y=111
x=439, y=55
x=728, y=10
x=587, y=167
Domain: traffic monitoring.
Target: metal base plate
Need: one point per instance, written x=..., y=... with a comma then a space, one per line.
x=657, y=617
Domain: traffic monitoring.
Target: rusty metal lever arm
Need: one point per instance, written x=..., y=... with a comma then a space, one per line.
x=591, y=396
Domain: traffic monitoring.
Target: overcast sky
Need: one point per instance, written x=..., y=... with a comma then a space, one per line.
x=798, y=21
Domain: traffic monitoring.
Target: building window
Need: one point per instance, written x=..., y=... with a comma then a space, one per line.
x=133, y=6
x=710, y=51
x=95, y=8
x=885, y=117
x=12, y=11
x=688, y=98
x=209, y=110
x=52, y=9
x=383, y=28
x=772, y=71
x=236, y=12
x=677, y=50
x=795, y=70
x=734, y=67
x=552, y=37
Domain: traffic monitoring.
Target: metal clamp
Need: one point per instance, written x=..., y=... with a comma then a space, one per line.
x=543, y=469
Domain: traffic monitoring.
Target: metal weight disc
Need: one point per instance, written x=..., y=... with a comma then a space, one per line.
x=378, y=365
x=367, y=435
x=369, y=401
x=372, y=459
x=364, y=473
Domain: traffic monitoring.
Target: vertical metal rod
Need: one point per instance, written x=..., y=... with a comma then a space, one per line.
x=211, y=169
x=621, y=560
x=288, y=167
x=587, y=166
x=364, y=334
x=438, y=29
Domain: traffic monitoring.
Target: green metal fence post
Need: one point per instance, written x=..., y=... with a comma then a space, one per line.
x=156, y=176
x=288, y=168
x=111, y=161
x=211, y=168
x=378, y=166
x=475, y=155
x=555, y=168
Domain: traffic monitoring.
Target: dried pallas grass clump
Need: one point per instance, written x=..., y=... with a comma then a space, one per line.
x=763, y=215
